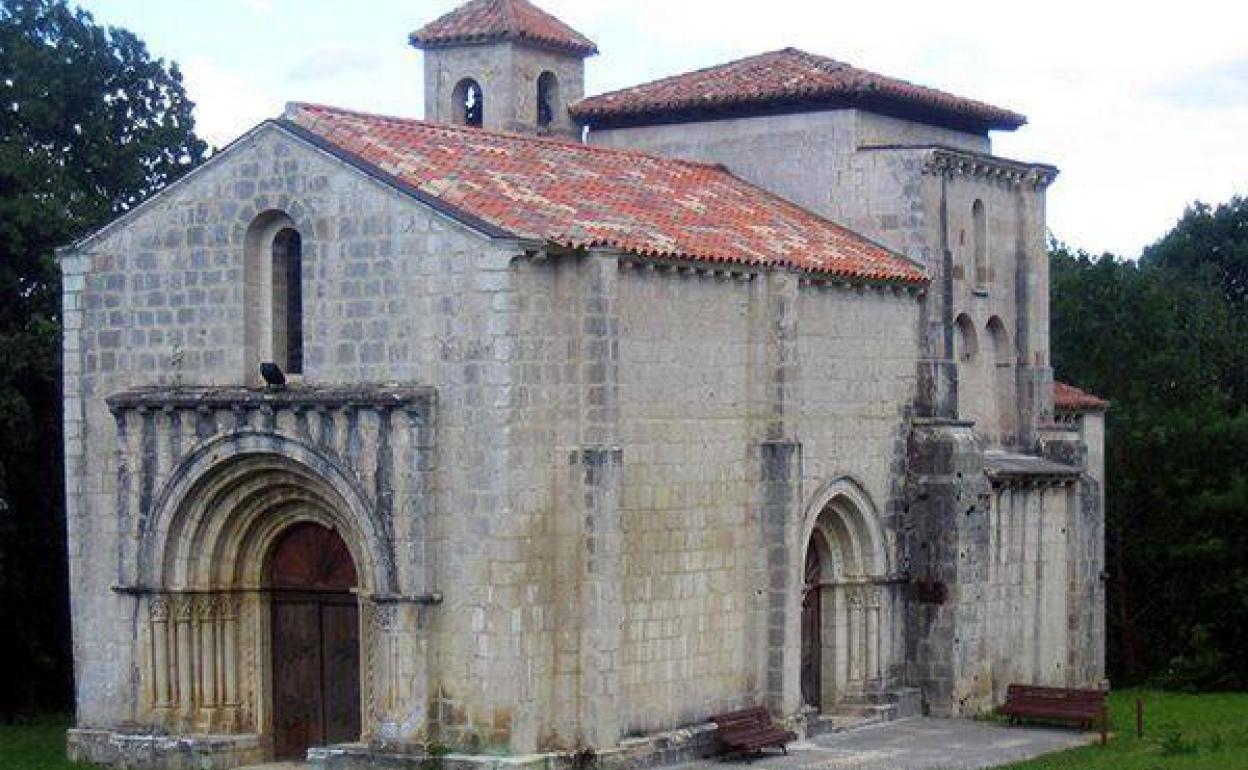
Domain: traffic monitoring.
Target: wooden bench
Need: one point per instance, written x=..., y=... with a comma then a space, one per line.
x=750, y=730
x=1061, y=704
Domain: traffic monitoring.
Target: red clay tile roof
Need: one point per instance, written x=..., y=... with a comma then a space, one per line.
x=787, y=78
x=579, y=196
x=490, y=21
x=1068, y=398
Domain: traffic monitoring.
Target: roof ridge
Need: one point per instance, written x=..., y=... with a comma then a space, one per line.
x=786, y=76
x=825, y=63
x=479, y=21
x=682, y=75
x=507, y=135
x=509, y=15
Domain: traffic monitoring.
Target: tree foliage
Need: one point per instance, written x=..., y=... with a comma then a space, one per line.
x=90, y=126
x=1166, y=340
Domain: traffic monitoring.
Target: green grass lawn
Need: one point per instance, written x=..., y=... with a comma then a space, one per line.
x=36, y=746
x=1181, y=732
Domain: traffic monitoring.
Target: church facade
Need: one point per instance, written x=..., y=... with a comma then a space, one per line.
x=553, y=424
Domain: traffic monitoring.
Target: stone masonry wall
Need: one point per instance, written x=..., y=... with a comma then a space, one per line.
x=806, y=157
x=689, y=570
x=693, y=579
x=393, y=293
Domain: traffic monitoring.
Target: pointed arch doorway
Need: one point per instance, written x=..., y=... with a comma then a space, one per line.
x=315, y=641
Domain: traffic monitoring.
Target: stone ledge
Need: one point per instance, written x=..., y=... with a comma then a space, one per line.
x=145, y=751
x=657, y=749
x=293, y=396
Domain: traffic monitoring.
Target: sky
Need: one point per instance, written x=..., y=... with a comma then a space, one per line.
x=1143, y=106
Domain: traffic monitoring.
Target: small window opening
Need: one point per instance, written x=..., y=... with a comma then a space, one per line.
x=288, y=300
x=469, y=103
x=547, y=98
x=965, y=342
x=980, y=245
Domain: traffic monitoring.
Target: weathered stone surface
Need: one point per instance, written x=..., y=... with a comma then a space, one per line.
x=579, y=488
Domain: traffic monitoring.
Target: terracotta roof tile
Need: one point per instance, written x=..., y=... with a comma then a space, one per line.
x=783, y=78
x=579, y=196
x=1068, y=398
x=489, y=21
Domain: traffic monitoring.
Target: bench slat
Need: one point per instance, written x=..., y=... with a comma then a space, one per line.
x=750, y=729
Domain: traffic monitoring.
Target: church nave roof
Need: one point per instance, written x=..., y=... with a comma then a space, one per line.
x=579, y=196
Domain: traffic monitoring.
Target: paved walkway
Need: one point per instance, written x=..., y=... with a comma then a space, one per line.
x=908, y=744
x=914, y=744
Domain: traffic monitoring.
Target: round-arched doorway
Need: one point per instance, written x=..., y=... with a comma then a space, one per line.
x=315, y=633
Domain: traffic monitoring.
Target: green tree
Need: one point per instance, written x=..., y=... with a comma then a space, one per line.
x=1164, y=339
x=90, y=126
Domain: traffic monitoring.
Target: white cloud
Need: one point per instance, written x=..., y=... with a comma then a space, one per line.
x=327, y=63
x=1142, y=106
x=226, y=103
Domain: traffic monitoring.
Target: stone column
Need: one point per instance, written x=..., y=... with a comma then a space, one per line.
x=779, y=496
x=158, y=614
x=588, y=571
x=230, y=662
x=857, y=637
x=598, y=472
x=184, y=615
x=949, y=501
x=873, y=633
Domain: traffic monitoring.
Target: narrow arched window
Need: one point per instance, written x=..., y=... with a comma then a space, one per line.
x=966, y=344
x=547, y=98
x=979, y=244
x=1004, y=386
x=469, y=103
x=272, y=295
x=287, y=253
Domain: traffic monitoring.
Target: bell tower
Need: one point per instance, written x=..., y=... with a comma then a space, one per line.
x=503, y=65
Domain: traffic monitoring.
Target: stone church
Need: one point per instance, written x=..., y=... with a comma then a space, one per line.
x=555, y=424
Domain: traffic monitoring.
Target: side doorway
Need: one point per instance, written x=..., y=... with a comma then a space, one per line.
x=812, y=630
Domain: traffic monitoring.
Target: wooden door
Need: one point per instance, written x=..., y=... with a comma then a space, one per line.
x=812, y=650
x=315, y=642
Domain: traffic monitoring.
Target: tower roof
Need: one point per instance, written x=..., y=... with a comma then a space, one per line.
x=579, y=196
x=493, y=21
x=788, y=79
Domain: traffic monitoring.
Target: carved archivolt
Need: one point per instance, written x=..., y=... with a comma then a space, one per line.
x=210, y=480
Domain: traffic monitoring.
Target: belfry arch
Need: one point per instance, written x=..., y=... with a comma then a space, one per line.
x=846, y=598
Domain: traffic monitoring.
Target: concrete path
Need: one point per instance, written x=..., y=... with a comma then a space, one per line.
x=913, y=744
x=908, y=744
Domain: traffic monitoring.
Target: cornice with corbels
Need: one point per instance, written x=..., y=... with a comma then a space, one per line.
x=950, y=163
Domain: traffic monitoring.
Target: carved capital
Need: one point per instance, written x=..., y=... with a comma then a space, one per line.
x=183, y=608
x=158, y=609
